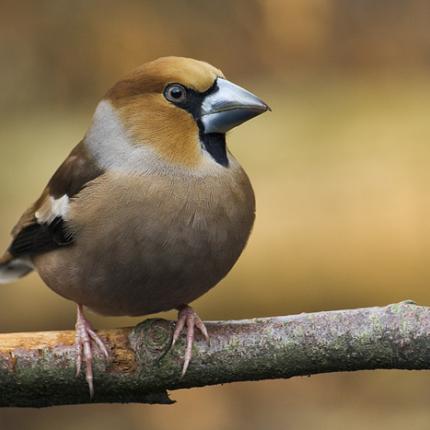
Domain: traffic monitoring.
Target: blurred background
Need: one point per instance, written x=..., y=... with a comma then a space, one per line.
x=340, y=169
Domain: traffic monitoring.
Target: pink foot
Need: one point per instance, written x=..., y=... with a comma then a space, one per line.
x=84, y=335
x=187, y=316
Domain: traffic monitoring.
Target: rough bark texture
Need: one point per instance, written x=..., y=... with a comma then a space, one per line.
x=38, y=369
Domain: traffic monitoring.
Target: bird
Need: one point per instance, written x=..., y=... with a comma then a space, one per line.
x=150, y=210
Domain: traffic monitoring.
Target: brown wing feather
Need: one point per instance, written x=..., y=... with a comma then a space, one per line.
x=30, y=235
x=78, y=169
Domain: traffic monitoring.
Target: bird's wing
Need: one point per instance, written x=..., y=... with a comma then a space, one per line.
x=43, y=227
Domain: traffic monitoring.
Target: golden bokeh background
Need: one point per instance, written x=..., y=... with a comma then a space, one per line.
x=340, y=169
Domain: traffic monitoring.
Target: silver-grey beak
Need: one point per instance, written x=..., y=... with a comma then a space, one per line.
x=229, y=106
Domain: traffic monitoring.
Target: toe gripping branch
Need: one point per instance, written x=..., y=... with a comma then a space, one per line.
x=189, y=318
x=85, y=337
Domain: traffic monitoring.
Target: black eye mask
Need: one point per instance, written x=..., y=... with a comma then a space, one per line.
x=213, y=143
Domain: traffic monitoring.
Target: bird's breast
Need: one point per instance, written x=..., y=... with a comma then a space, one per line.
x=149, y=243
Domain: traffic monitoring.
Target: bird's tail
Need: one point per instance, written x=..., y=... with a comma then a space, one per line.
x=11, y=269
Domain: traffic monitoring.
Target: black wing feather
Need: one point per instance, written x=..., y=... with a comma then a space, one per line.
x=38, y=238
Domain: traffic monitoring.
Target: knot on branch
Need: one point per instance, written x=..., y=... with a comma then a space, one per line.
x=151, y=339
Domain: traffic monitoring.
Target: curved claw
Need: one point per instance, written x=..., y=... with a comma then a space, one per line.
x=85, y=335
x=189, y=318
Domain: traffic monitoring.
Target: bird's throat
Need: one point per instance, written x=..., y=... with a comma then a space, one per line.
x=215, y=145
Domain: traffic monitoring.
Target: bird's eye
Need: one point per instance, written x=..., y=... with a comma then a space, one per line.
x=175, y=93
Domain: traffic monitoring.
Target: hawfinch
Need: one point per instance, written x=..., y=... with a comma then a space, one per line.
x=150, y=210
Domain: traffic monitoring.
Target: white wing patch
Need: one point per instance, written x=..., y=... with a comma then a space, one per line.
x=53, y=208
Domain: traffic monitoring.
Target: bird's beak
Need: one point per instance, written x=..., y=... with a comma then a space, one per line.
x=229, y=106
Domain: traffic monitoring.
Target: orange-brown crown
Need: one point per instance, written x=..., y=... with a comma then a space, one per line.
x=153, y=77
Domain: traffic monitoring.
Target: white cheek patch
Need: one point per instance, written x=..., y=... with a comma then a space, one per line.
x=112, y=149
x=109, y=145
x=53, y=208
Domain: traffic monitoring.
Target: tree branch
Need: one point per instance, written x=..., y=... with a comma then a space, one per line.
x=38, y=369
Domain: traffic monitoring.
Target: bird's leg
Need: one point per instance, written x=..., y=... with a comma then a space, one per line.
x=85, y=335
x=188, y=317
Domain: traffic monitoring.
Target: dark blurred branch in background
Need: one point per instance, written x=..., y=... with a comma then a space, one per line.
x=38, y=369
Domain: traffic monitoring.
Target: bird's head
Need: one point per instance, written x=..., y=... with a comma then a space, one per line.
x=175, y=109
